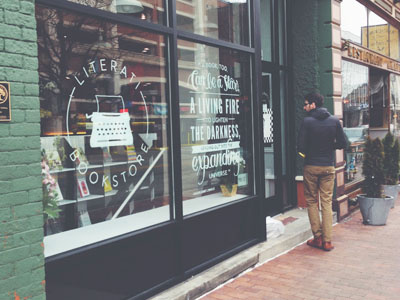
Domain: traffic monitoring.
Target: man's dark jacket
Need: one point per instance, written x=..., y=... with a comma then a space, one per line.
x=320, y=134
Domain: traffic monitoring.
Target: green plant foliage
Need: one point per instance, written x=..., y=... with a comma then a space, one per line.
x=373, y=168
x=50, y=206
x=391, y=159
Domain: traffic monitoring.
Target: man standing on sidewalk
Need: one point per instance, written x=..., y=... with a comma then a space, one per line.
x=320, y=134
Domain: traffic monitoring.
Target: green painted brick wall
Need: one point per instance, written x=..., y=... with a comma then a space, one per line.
x=312, y=56
x=21, y=210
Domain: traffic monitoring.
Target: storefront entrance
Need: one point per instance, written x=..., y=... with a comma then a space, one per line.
x=278, y=186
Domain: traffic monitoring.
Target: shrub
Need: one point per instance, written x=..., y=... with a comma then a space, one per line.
x=391, y=159
x=373, y=168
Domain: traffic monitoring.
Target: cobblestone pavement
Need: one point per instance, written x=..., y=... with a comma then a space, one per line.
x=365, y=265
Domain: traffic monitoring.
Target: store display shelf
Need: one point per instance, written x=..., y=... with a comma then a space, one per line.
x=90, y=197
x=94, y=166
x=61, y=170
x=117, y=163
x=65, y=202
x=111, y=193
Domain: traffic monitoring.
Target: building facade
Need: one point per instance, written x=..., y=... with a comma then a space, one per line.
x=149, y=139
x=370, y=88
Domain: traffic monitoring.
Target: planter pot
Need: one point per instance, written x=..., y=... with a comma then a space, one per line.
x=374, y=210
x=225, y=191
x=391, y=190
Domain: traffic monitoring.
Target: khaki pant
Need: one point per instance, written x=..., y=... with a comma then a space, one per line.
x=319, y=179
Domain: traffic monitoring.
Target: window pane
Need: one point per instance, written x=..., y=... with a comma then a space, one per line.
x=216, y=125
x=355, y=116
x=378, y=34
x=225, y=20
x=282, y=32
x=395, y=104
x=104, y=127
x=354, y=19
x=378, y=83
x=266, y=36
x=147, y=10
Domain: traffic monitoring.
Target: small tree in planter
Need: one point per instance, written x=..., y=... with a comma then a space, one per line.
x=373, y=168
x=373, y=205
x=391, y=165
x=391, y=159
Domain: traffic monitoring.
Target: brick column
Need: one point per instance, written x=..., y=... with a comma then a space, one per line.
x=21, y=210
x=340, y=202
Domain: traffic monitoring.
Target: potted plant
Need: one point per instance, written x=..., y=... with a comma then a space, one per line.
x=391, y=166
x=374, y=206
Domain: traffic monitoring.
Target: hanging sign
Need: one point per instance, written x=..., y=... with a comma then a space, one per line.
x=5, y=102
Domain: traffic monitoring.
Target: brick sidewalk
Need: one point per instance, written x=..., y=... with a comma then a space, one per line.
x=365, y=265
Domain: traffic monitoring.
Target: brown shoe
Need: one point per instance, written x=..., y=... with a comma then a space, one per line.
x=327, y=246
x=315, y=242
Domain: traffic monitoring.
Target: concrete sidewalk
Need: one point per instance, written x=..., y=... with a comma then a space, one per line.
x=365, y=265
x=297, y=230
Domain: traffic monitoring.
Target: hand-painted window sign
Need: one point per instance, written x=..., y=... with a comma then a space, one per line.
x=5, y=102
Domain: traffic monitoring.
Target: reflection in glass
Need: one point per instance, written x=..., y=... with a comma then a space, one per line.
x=266, y=36
x=103, y=127
x=282, y=27
x=355, y=116
x=395, y=104
x=215, y=118
x=378, y=84
x=147, y=10
x=224, y=20
x=268, y=129
x=353, y=19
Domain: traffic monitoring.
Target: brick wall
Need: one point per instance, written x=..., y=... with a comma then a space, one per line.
x=21, y=212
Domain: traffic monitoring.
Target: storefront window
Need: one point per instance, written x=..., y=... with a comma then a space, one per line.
x=147, y=10
x=282, y=31
x=355, y=116
x=354, y=19
x=216, y=126
x=104, y=127
x=379, y=114
x=266, y=30
x=395, y=104
x=220, y=19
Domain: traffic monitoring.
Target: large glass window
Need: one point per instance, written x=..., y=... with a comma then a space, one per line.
x=147, y=10
x=216, y=126
x=220, y=19
x=355, y=95
x=266, y=30
x=282, y=31
x=379, y=113
x=104, y=127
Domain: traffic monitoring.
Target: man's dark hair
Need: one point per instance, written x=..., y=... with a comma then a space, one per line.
x=315, y=98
